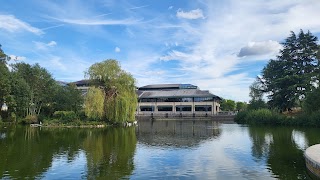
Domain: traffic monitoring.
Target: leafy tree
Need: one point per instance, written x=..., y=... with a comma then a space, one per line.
x=94, y=103
x=240, y=106
x=228, y=105
x=311, y=104
x=256, y=95
x=293, y=73
x=68, y=98
x=118, y=86
x=4, y=82
x=40, y=83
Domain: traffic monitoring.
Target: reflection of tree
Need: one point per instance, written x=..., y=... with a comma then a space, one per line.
x=183, y=133
x=282, y=154
x=27, y=152
x=110, y=156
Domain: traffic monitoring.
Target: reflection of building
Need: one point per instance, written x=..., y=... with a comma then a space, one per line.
x=176, y=99
x=178, y=133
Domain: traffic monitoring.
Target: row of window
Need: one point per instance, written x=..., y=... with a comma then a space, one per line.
x=198, y=99
x=205, y=108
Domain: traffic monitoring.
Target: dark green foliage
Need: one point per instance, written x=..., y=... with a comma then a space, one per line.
x=292, y=74
x=228, y=105
x=260, y=116
x=65, y=116
x=266, y=116
x=312, y=102
x=68, y=98
x=241, y=106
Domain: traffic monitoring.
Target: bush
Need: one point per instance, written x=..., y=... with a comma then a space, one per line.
x=30, y=119
x=260, y=116
x=65, y=116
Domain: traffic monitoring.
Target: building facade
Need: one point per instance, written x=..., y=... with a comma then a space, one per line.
x=176, y=100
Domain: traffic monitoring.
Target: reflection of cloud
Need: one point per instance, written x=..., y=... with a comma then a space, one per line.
x=226, y=157
x=12, y=24
x=300, y=139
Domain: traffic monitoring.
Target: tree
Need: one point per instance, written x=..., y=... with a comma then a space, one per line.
x=41, y=86
x=311, y=104
x=68, y=98
x=94, y=103
x=293, y=73
x=256, y=95
x=118, y=87
x=228, y=105
x=5, y=87
x=240, y=106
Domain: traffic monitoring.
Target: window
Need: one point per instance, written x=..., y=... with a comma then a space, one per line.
x=205, y=108
x=146, y=108
x=147, y=100
x=203, y=99
x=183, y=108
x=164, y=108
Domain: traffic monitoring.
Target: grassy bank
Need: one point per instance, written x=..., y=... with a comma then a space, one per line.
x=266, y=116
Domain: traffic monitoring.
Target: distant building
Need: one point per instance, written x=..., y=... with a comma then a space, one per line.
x=176, y=99
x=170, y=99
x=82, y=85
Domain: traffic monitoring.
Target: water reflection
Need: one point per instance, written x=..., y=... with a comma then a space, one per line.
x=282, y=148
x=52, y=153
x=156, y=150
x=185, y=133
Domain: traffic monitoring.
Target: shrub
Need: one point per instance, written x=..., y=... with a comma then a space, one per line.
x=260, y=116
x=65, y=116
x=30, y=119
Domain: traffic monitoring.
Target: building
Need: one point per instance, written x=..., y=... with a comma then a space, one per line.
x=176, y=100
x=82, y=85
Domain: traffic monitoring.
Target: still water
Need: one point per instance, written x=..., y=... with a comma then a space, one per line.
x=156, y=150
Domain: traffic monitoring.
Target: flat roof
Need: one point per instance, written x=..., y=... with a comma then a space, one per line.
x=178, y=93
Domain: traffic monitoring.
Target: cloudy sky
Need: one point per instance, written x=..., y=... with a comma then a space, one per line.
x=220, y=46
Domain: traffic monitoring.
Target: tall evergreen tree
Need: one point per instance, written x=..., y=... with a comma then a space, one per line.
x=294, y=72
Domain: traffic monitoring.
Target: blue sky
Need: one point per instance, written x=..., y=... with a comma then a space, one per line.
x=220, y=46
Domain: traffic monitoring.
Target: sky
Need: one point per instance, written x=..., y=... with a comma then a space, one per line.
x=220, y=46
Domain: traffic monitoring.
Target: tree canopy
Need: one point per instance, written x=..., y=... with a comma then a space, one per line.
x=118, y=87
x=295, y=71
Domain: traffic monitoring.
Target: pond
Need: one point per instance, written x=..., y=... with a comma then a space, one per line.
x=156, y=150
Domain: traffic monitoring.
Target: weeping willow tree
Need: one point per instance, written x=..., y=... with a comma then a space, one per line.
x=94, y=102
x=118, y=87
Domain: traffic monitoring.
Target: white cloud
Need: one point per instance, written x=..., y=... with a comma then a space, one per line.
x=12, y=24
x=96, y=22
x=193, y=14
x=260, y=48
x=170, y=7
x=44, y=46
x=138, y=7
x=17, y=58
x=117, y=49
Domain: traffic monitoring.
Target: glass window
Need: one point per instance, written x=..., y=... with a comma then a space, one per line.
x=183, y=108
x=148, y=100
x=203, y=108
x=164, y=108
x=146, y=108
x=203, y=99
